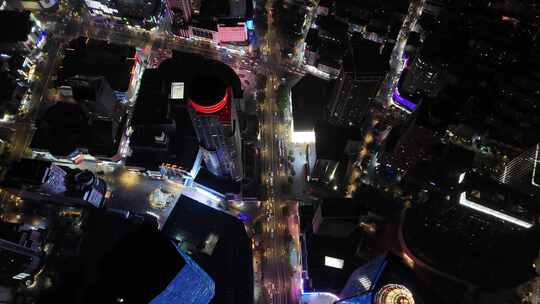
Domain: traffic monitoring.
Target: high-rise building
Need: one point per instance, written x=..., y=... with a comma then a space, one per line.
x=337, y=217
x=499, y=201
x=523, y=172
x=407, y=145
x=92, y=122
x=325, y=44
x=465, y=229
x=425, y=78
x=191, y=284
x=214, y=116
x=334, y=148
x=136, y=264
x=364, y=68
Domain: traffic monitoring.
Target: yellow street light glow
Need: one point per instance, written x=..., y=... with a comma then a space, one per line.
x=408, y=260
x=364, y=152
x=129, y=179
x=369, y=138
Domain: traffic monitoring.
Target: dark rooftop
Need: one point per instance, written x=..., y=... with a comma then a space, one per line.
x=98, y=58
x=466, y=243
x=341, y=208
x=223, y=186
x=324, y=278
x=206, y=90
x=329, y=27
x=134, y=263
x=309, y=96
x=230, y=264
x=137, y=9
x=183, y=67
x=94, y=124
x=14, y=26
x=330, y=140
x=182, y=146
x=366, y=57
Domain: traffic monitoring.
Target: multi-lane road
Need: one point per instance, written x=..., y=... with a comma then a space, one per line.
x=277, y=268
x=278, y=271
x=239, y=57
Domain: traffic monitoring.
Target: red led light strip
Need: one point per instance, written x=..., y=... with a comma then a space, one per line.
x=213, y=108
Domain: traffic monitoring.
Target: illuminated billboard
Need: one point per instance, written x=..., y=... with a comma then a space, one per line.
x=234, y=33
x=177, y=90
x=333, y=262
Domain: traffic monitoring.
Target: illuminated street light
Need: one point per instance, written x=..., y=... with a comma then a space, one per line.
x=369, y=138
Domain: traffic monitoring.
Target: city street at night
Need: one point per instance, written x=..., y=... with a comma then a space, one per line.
x=269, y=152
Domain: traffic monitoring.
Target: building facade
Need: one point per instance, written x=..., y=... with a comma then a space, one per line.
x=217, y=127
x=364, y=69
x=191, y=285
x=425, y=78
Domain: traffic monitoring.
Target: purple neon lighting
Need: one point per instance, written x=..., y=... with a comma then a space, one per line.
x=403, y=101
x=314, y=292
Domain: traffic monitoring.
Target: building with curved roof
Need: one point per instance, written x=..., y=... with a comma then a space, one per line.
x=385, y=280
x=462, y=233
x=210, y=93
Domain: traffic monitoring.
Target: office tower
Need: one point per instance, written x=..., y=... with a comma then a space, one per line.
x=216, y=124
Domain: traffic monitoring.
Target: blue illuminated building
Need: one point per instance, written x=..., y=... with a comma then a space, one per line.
x=135, y=264
x=366, y=298
x=396, y=96
x=385, y=280
x=191, y=285
x=364, y=278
